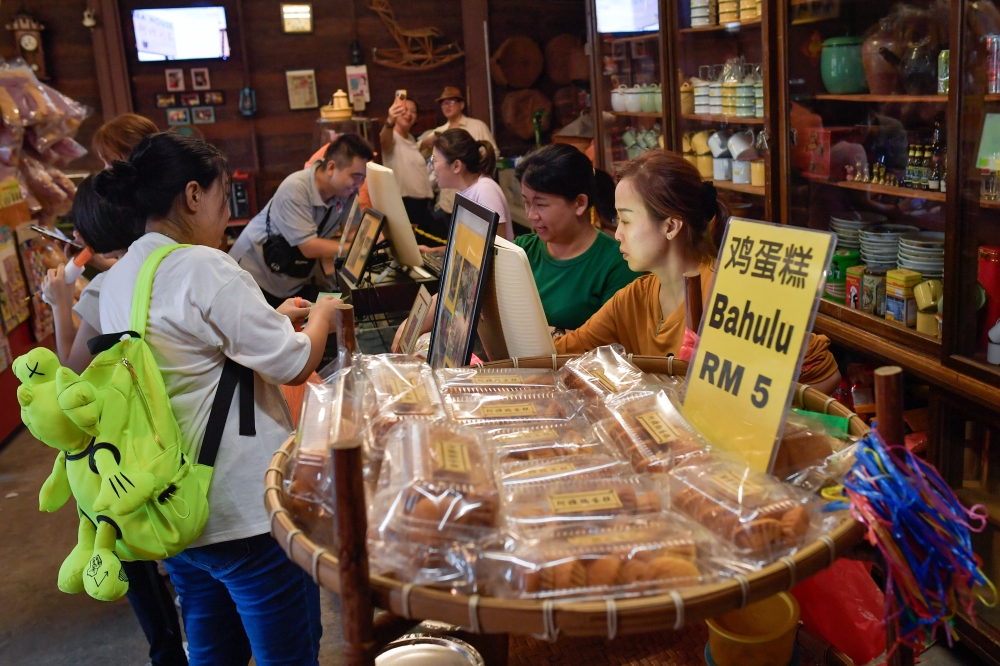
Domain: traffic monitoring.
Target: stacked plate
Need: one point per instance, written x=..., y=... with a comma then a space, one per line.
x=837, y=291
x=922, y=251
x=880, y=244
x=848, y=227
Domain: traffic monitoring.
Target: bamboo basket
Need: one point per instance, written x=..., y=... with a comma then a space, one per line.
x=548, y=619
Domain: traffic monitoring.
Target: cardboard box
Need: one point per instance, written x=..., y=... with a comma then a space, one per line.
x=854, y=277
x=813, y=152
x=901, y=306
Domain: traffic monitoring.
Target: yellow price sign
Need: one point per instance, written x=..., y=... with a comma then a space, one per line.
x=754, y=333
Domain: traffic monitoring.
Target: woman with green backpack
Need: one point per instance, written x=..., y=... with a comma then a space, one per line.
x=240, y=594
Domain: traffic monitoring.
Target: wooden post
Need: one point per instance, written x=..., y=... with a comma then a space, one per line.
x=889, y=411
x=693, y=299
x=351, y=524
x=346, y=337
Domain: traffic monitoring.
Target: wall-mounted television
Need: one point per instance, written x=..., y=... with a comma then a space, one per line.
x=615, y=16
x=181, y=33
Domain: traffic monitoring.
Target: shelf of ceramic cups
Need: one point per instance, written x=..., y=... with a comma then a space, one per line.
x=629, y=96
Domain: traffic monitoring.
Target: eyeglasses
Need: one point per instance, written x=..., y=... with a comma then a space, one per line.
x=450, y=101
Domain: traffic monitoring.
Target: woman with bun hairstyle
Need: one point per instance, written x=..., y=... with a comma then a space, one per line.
x=462, y=163
x=669, y=223
x=240, y=593
x=577, y=268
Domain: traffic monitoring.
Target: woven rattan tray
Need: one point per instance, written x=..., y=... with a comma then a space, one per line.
x=569, y=618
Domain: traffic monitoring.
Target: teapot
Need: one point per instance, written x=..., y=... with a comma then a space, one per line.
x=917, y=68
x=618, y=99
x=633, y=99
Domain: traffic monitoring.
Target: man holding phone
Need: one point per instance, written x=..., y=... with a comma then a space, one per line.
x=401, y=154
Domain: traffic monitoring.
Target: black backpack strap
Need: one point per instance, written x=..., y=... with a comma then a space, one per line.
x=102, y=343
x=233, y=374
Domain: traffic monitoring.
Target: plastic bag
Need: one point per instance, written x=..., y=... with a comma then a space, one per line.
x=496, y=380
x=845, y=606
x=601, y=372
x=811, y=455
x=498, y=409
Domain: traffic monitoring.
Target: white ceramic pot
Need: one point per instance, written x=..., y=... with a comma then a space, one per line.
x=741, y=172
x=618, y=99
x=718, y=143
x=633, y=99
x=722, y=168
x=741, y=145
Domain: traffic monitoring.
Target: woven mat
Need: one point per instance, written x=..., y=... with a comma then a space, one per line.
x=682, y=648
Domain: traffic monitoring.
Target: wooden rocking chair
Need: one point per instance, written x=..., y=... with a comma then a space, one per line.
x=416, y=51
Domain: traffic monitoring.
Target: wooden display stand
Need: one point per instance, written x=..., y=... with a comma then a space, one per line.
x=394, y=294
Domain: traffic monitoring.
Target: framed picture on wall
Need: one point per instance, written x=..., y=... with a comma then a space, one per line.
x=175, y=79
x=302, y=89
x=296, y=17
x=215, y=98
x=191, y=99
x=165, y=100
x=200, y=79
x=178, y=116
x=203, y=115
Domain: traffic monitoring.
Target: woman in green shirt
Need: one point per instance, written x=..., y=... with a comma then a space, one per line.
x=576, y=267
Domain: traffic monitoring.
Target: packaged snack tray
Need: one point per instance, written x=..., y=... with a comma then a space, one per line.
x=404, y=387
x=621, y=559
x=761, y=517
x=497, y=409
x=600, y=373
x=811, y=455
x=568, y=468
x=544, y=441
x=487, y=380
x=649, y=430
x=530, y=506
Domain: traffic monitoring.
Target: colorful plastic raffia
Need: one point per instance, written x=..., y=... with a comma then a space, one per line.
x=923, y=533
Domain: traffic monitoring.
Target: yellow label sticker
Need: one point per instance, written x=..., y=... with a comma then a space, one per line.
x=753, y=336
x=595, y=500
x=453, y=456
x=661, y=430
x=628, y=536
x=492, y=379
x=736, y=486
x=406, y=392
x=605, y=381
x=505, y=410
x=542, y=470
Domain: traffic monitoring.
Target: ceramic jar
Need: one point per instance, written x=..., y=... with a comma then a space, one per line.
x=882, y=75
x=618, y=99
x=841, y=66
x=633, y=99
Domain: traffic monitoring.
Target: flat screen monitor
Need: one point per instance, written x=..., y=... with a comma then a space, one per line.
x=384, y=191
x=364, y=243
x=468, y=258
x=349, y=231
x=513, y=323
x=181, y=33
x=617, y=16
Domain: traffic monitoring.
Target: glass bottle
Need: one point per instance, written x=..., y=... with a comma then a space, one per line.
x=934, y=183
x=988, y=181
x=944, y=173
x=925, y=169
x=908, y=176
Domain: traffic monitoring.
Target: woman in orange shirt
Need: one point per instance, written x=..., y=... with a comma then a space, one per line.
x=669, y=223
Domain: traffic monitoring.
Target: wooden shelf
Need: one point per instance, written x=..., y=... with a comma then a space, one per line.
x=883, y=328
x=926, y=99
x=993, y=205
x=734, y=187
x=634, y=38
x=992, y=98
x=902, y=192
x=732, y=120
x=627, y=114
x=753, y=23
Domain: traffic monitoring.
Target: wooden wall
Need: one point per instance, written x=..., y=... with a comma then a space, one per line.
x=285, y=138
x=69, y=57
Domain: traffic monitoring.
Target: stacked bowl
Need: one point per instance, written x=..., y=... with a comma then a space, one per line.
x=880, y=245
x=848, y=227
x=922, y=251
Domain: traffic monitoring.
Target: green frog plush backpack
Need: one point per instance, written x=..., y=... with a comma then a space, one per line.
x=139, y=494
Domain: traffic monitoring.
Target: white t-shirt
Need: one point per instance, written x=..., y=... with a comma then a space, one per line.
x=409, y=167
x=486, y=192
x=88, y=307
x=480, y=131
x=205, y=308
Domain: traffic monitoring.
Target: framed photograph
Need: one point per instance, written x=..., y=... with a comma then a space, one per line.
x=165, y=100
x=302, y=89
x=357, y=82
x=190, y=99
x=200, y=79
x=364, y=243
x=175, y=79
x=296, y=17
x=468, y=258
x=215, y=98
x=178, y=116
x=203, y=115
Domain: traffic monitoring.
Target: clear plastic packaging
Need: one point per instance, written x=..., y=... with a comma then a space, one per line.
x=528, y=507
x=436, y=499
x=569, y=468
x=496, y=409
x=649, y=430
x=544, y=441
x=601, y=372
x=812, y=456
x=761, y=517
x=488, y=380
x=620, y=559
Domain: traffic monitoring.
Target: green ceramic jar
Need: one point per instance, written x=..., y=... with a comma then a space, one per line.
x=842, y=66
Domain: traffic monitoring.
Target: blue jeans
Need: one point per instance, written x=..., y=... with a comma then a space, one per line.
x=246, y=597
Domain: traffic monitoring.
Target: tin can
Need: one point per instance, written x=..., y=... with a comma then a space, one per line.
x=873, y=293
x=944, y=72
x=852, y=291
x=418, y=650
x=993, y=62
x=989, y=278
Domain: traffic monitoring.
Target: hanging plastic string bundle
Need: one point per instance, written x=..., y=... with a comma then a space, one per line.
x=923, y=534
